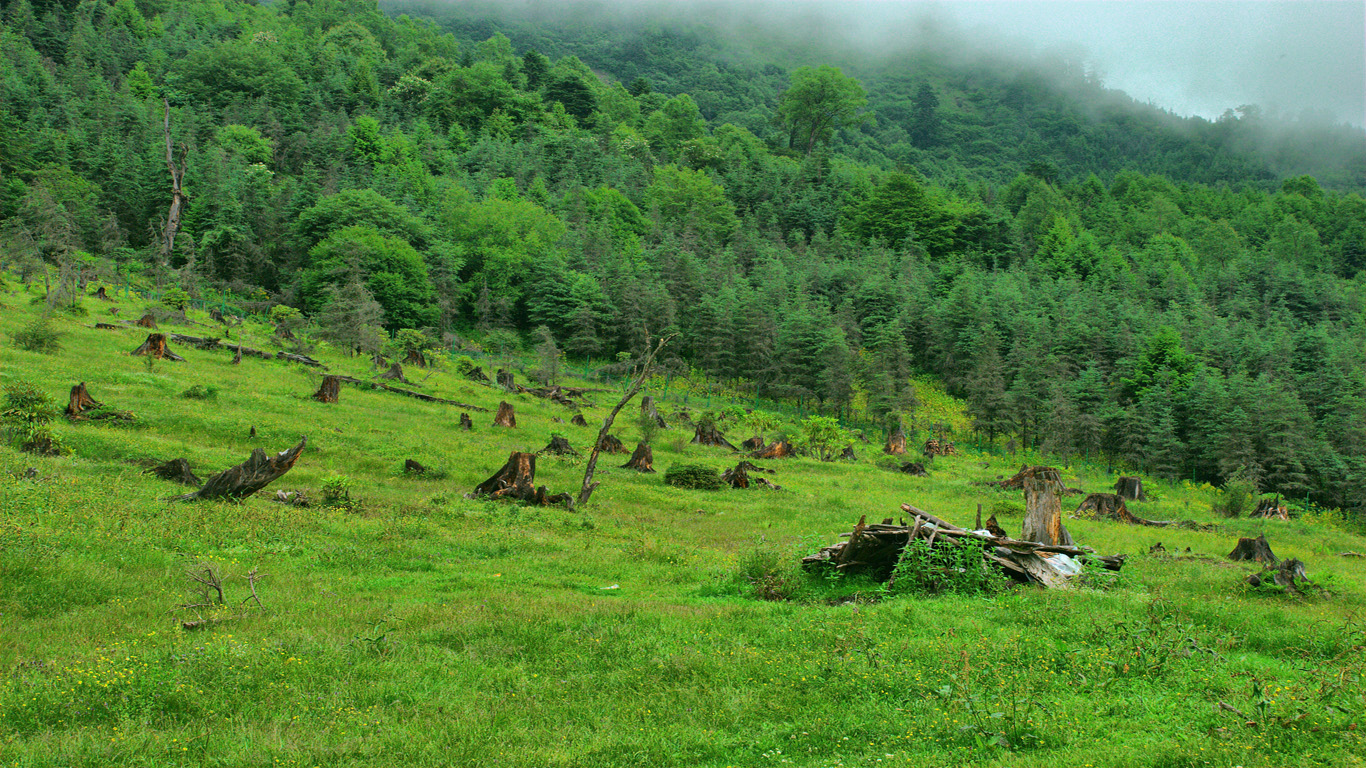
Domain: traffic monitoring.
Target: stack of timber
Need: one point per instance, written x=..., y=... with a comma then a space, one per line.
x=877, y=548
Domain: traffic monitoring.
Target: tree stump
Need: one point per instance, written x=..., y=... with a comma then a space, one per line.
x=994, y=528
x=1043, y=509
x=1016, y=482
x=177, y=471
x=329, y=391
x=781, y=449
x=1254, y=549
x=415, y=357
x=477, y=375
x=147, y=321
x=517, y=480
x=80, y=401
x=610, y=444
x=155, y=346
x=558, y=446
x=1130, y=488
x=102, y=295
x=648, y=411
x=578, y=420
x=250, y=476
x=1271, y=508
x=753, y=444
x=215, y=314
x=413, y=468
x=465, y=422
x=237, y=356
x=642, y=460
x=1110, y=506
x=896, y=442
x=505, y=417
x=505, y=380
x=284, y=333
x=848, y=454
x=708, y=434
x=395, y=373
x=736, y=477
x=913, y=468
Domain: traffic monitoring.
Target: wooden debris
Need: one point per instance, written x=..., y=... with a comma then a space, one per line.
x=1271, y=509
x=1130, y=488
x=753, y=444
x=177, y=471
x=411, y=467
x=216, y=315
x=155, y=346
x=147, y=321
x=558, y=446
x=250, y=476
x=739, y=477
x=896, y=442
x=408, y=393
x=1110, y=506
x=578, y=420
x=517, y=480
x=994, y=527
x=1253, y=549
x=781, y=449
x=210, y=344
x=848, y=454
x=329, y=391
x=1043, y=508
x=102, y=294
x=477, y=375
x=465, y=422
x=1016, y=482
x=708, y=434
x=642, y=459
x=649, y=412
x=395, y=373
x=415, y=357
x=610, y=444
x=1288, y=574
x=505, y=416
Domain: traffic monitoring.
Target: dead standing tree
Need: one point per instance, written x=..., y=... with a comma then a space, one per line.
x=896, y=442
x=643, y=371
x=1043, y=490
x=178, y=197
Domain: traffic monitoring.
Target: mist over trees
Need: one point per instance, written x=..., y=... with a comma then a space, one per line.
x=1097, y=279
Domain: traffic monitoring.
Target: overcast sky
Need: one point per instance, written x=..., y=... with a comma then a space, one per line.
x=1197, y=57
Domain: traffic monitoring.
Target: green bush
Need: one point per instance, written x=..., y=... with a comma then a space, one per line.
x=769, y=572
x=949, y=567
x=692, y=476
x=201, y=392
x=39, y=336
x=176, y=298
x=28, y=412
x=336, y=492
x=1238, y=498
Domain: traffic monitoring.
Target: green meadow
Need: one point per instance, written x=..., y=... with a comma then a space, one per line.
x=409, y=625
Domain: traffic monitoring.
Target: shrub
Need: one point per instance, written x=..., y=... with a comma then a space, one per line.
x=39, y=336
x=769, y=572
x=1237, y=499
x=336, y=492
x=950, y=566
x=176, y=298
x=28, y=412
x=201, y=392
x=692, y=476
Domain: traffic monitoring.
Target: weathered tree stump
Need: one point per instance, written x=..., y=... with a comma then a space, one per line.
x=1110, y=506
x=506, y=381
x=1271, y=509
x=1130, y=488
x=708, y=434
x=1284, y=574
x=558, y=446
x=780, y=449
x=1043, y=509
x=913, y=468
x=736, y=477
x=147, y=321
x=395, y=373
x=80, y=401
x=896, y=442
x=415, y=357
x=102, y=294
x=642, y=460
x=648, y=411
x=610, y=444
x=465, y=422
x=848, y=454
x=937, y=447
x=155, y=346
x=329, y=391
x=994, y=528
x=411, y=467
x=177, y=471
x=284, y=333
x=477, y=375
x=1254, y=549
x=1016, y=482
x=215, y=314
x=578, y=420
x=517, y=480
x=505, y=416
x=250, y=476
x=752, y=444
x=237, y=356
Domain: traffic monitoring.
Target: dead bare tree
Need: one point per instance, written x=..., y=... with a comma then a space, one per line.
x=643, y=372
x=178, y=197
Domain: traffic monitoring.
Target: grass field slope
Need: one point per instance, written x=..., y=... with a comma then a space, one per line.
x=401, y=623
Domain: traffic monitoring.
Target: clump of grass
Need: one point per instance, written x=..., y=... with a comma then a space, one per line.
x=693, y=477
x=1237, y=499
x=769, y=572
x=201, y=392
x=39, y=336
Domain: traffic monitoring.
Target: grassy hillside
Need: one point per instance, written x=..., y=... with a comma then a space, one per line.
x=417, y=627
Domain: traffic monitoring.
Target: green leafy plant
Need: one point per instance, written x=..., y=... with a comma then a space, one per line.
x=39, y=336
x=28, y=412
x=1238, y=497
x=692, y=476
x=176, y=298
x=769, y=572
x=949, y=566
x=335, y=492
x=200, y=392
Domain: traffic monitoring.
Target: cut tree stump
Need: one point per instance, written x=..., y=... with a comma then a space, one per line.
x=415, y=357
x=1284, y=574
x=395, y=373
x=177, y=471
x=610, y=444
x=237, y=356
x=329, y=391
x=994, y=528
x=1130, y=488
x=477, y=375
x=147, y=321
x=914, y=468
x=1271, y=509
x=155, y=346
x=517, y=480
x=505, y=416
x=578, y=420
x=1016, y=482
x=1110, y=506
x=848, y=454
x=558, y=446
x=102, y=294
x=708, y=434
x=781, y=449
x=80, y=402
x=506, y=381
x=739, y=477
x=1043, y=508
x=752, y=444
x=413, y=468
x=896, y=442
x=642, y=460
x=1254, y=549
x=465, y=422
x=648, y=411
x=250, y=476
x=215, y=314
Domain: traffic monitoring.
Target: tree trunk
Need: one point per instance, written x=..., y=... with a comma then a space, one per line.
x=102, y=295
x=517, y=480
x=237, y=356
x=177, y=471
x=781, y=449
x=147, y=321
x=642, y=460
x=647, y=410
x=80, y=401
x=248, y=477
x=558, y=446
x=155, y=345
x=329, y=391
x=578, y=420
x=465, y=422
x=505, y=416
x=395, y=373
x=1254, y=549
x=1043, y=508
x=506, y=381
x=642, y=375
x=177, y=193
x=708, y=434
x=896, y=442
x=1130, y=488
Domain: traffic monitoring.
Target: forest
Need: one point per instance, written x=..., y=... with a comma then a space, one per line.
x=1097, y=278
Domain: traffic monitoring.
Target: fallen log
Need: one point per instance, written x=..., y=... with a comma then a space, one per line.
x=505, y=416
x=250, y=476
x=642, y=459
x=209, y=344
x=408, y=393
x=517, y=480
x=155, y=347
